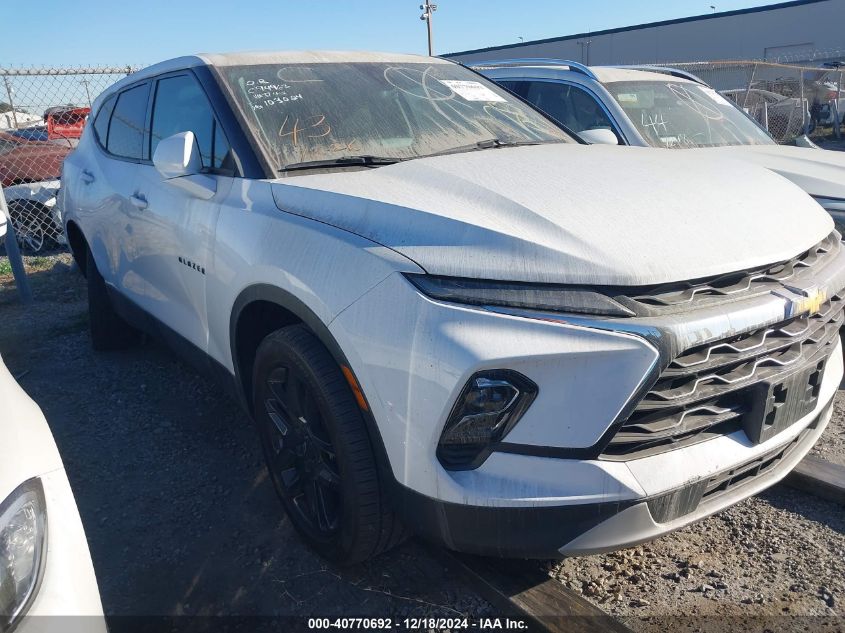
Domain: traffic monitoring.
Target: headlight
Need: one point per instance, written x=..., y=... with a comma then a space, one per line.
x=552, y=297
x=489, y=405
x=23, y=536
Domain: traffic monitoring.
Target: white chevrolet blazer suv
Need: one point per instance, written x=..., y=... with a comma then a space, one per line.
x=443, y=312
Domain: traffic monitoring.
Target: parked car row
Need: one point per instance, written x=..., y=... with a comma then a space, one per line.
x=667, y=109
x=446, y=312
x=30, y=166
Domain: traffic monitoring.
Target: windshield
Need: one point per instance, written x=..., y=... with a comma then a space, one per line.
x=681, y=115
x=330, y=111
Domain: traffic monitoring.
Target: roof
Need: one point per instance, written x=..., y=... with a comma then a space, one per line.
x=604, y=74
x=312, y=57
x=647, y=25
x=263, y=57
x=607, y=74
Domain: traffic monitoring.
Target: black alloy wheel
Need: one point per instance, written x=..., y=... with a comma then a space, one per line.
x=301, y=458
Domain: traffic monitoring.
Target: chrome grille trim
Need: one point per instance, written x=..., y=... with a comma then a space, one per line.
x=688, y=295
x=706, y=390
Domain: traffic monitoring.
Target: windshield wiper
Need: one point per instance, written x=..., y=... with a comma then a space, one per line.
x=491, y=143
x=344, y=161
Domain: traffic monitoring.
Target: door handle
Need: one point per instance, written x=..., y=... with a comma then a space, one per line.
x=138, y=200
x=87, y=177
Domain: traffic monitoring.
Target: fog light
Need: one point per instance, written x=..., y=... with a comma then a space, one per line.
x=489, y=405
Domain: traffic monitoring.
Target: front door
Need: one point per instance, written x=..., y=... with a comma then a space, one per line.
x=174, y=230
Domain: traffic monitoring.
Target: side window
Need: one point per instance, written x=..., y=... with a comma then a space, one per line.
x=576, y=108
x=101, y=122
x=126, y=129
x=181, y=106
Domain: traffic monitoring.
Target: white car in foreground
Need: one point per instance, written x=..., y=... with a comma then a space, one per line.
x=647, y=108
x=45, y=566
x=438, y=307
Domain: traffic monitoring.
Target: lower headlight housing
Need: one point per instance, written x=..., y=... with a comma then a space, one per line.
x=23, y=539
x=488, y=407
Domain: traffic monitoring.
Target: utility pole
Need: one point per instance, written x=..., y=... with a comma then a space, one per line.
x=585, y=50
x=9, y=92
x=428, y=10
x=85, y=82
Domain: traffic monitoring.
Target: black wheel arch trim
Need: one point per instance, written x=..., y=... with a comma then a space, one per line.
x=294, y=305
x=70, y=227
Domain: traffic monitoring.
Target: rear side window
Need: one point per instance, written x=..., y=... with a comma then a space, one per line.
x=126, y=130
x=101, y=123
x=182, y=106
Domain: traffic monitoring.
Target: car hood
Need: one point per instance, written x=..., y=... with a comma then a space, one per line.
x=567, y=213
x=819, y=172
x=28, y=448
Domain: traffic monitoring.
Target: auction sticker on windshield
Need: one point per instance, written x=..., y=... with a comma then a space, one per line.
x=710, y=92
x=472, y=90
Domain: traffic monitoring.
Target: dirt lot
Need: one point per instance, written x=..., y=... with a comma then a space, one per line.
x=182, y=520
x=779, y=554
x=170, y=483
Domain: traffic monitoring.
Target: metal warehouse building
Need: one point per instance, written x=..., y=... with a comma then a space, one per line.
x=809, y=31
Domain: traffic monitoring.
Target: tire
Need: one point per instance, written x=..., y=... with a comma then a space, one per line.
x=318, y=450
x=108, y=330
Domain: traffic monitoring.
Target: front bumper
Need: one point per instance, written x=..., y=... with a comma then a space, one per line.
x=591, y=528
x=549, y=488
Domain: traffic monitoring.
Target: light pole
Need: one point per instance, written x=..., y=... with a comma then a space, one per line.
x=85, y=82
x=585, y=50
x=428, y=10
x=9, y=92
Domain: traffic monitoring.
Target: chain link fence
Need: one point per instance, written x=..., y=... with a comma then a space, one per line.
x=789, y=100
x=42, y=114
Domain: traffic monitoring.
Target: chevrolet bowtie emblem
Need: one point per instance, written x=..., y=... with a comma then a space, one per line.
x=801, y=301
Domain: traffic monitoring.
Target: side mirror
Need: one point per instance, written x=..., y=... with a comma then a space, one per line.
x=599, y=136
x=177, y=159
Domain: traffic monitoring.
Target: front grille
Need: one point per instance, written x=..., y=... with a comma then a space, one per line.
x=690, y=295
x=715, y=389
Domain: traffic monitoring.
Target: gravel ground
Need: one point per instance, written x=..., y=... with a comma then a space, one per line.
x=780, y=555
x=831, y=446
x=168, y=476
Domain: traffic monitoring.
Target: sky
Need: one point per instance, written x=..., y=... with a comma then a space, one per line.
x=103, y=32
